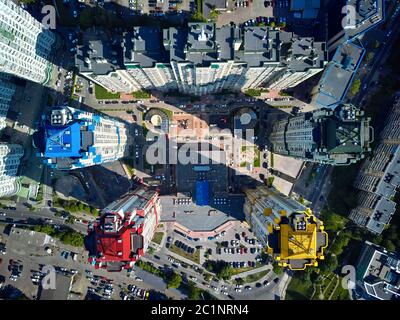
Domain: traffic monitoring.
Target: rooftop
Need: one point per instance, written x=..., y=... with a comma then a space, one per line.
x=380, y=272
x=368, y=14
x=308, y=8
x=298, y=241
x=98, y=54
x=338, y=75
x=143, y=46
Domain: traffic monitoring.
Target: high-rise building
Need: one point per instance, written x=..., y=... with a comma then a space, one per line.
x=25, y=46
x=122, y=233
x=10, y=155
x=7, y=90
x=363, y=16
x=294, y=237
x=339, y=75
x=338, y=137
x=379, y=178
x=200, y=59
x=69, y=138
x=378, y=273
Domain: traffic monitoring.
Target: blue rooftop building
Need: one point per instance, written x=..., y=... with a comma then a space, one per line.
x=202, y=193
x=69, y=139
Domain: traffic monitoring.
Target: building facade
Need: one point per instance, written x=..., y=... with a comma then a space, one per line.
x=378, y=273
x=69, y=138
x=288, y=229
x=338, y=137
x=10, y=155
x=379, y=178
x=200, y=59
x=25, y=46
x=7, y=90
x=122, y=233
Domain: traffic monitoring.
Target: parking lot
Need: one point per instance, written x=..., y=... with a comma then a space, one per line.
x=23, y=255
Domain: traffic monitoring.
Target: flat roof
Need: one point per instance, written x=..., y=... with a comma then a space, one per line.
x=338, y=75
x=368, y=14
x=143, y=46
x=99, y=54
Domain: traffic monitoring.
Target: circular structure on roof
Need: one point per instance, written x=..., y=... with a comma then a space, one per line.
x=156, y=120
x=245, y=118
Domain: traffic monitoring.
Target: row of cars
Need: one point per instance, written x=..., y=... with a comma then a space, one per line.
x=183, y=246
x=101, y=285
x=238, y=250
x=117, y=102
x=134, y=292
x=279, y=99
x=16, y=268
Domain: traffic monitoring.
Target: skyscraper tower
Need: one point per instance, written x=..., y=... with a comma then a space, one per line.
x=7, y=90
x=338, y=137
x=69, y=138
x=291, y=234
x=10, y=155
x=25, y=45
x=122, y=233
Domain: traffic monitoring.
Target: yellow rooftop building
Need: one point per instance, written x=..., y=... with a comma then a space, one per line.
x=298, y=240
x=293, y=236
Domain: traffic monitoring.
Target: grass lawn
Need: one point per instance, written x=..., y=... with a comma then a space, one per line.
x=340, y=293
x=240, y=270
x=256, y=162
x=169, y=113
x=158, y=236
x=297, y=290
x=102, y=93
x=253, y=92
x=141, y=94
x=256, y=276
x=195, y=257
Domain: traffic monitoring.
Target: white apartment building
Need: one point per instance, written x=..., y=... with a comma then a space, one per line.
x=10, y=155
x=7, y=91
x=200, y=59
x=70, y=138
x=263, y=207
x=25, y=45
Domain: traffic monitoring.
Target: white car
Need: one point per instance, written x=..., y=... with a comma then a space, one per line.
x=138, y=279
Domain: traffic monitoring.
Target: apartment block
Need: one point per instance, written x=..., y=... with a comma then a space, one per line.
x=7, y=90
x=69, y=138
x=25, y=45
x=339, y=75
x=379, y=178
x=337, y=137
x=122, y=233
x=378, y=273
x=200, y=59
x=10, y=155
x=363, y=15
x=293, y=236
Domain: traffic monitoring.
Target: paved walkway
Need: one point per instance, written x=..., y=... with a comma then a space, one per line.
x=252, y=271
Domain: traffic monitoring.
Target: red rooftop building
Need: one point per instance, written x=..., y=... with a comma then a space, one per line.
x=122, y=233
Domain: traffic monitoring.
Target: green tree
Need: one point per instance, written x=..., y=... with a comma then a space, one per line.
x=174, y=280
x=329, y=264
x=389, y=245
x=355, y=87
x=194, y=292
x=277, y=269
